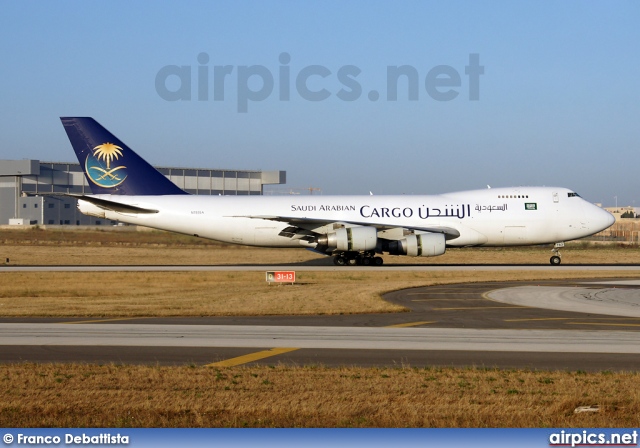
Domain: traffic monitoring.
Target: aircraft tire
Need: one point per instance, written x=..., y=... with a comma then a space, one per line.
x=555, y=260
x=378, y=261
x=339, y=260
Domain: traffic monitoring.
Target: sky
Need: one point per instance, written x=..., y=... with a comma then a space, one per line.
x=493, y=93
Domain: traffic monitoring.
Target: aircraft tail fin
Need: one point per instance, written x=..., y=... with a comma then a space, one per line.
x=111, y=167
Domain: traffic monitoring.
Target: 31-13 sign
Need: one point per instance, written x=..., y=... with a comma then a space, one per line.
x=281, y=276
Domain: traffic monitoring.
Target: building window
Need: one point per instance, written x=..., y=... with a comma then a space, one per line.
x=51, y=221
x=51, y=205
x=24, y=205
x=66, y=221
x=98, y=223
x=35, y=205
x=67, y=205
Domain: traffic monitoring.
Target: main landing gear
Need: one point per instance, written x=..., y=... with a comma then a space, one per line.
x=556, y=258
x=357, y=259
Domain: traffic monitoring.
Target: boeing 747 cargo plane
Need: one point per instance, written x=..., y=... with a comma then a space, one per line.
x=353, y=229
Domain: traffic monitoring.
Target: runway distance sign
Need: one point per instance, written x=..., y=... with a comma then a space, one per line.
x=281, y=276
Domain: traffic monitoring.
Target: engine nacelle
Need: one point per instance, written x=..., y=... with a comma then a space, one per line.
x=420, y=245
x=424, y=245
x=351, y=239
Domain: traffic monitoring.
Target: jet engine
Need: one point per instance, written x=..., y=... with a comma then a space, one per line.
x=351, y=239
x=420, y=245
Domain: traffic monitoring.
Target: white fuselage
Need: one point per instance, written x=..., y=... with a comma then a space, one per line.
x=491, y=217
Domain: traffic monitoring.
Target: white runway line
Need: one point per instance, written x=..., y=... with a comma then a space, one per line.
x=559, y=341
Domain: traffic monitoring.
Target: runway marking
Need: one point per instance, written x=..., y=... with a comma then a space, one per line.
x=410, y=324
x=251, y=357
x=103, y=320
x=440, y=300
x=480, y=308
x=486, y=295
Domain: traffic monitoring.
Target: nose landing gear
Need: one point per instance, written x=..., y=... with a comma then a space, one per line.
x=556, y=258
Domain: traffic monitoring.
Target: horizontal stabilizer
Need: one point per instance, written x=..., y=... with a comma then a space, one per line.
x=112, y=205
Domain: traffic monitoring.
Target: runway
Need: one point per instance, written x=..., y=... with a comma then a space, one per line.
x=507, y=325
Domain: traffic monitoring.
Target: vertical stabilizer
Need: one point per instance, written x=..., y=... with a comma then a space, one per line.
x=111, y=167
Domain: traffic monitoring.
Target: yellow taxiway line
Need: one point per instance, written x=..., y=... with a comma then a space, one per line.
x=251, y=357
x=410, y=324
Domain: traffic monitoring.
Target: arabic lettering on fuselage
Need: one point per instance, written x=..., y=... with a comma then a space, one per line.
x=448, y=211
x=491, y=208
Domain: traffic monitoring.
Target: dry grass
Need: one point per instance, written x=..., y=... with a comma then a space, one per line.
x=50, y=255
x=181, y=294
x=126, y=294
x=57, y=395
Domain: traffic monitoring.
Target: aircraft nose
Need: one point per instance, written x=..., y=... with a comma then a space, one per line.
x=601, y=218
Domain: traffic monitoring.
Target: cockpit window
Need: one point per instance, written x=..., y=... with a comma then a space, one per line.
x=573, y=195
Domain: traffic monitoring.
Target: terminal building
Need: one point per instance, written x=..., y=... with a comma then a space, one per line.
x=21, y=182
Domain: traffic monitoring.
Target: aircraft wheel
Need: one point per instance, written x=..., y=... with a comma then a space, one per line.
x=366, y=261
x=352, y=261
x=378, y=261
x=555, y=260
x=339, y=260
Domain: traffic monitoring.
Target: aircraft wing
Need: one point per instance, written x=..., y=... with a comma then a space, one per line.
x=302, y=228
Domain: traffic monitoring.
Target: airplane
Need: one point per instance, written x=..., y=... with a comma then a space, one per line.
x=352, y=229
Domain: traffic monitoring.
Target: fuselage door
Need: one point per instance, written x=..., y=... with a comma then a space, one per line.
x=556, y=197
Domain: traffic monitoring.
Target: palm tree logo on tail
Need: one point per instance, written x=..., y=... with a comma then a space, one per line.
x=102, y=175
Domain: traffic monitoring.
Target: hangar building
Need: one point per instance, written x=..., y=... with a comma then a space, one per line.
x=22, y=180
